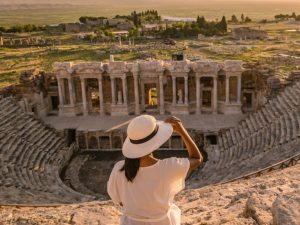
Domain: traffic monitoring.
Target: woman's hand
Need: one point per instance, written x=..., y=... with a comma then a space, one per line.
x=176, y=124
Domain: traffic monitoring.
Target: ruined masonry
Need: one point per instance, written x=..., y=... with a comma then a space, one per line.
x=122, y=88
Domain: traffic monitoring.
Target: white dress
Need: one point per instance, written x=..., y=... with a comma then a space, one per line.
x=148, y=200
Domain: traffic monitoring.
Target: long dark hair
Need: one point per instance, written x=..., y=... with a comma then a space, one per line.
x=131, y=167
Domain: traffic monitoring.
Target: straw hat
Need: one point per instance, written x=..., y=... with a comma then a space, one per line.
x=144, y=135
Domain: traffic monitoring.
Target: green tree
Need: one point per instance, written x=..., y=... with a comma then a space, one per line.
x=135, y=18
x=201, y=21
x=134, y=33
x=89, y=37
x=2, y=29
x=82, y=19
x=247, y=19
x=222, y=25
x=243, y=17
x=234, y=19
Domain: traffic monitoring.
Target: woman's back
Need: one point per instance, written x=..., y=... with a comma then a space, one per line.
x=145, y=186
x=151, y=193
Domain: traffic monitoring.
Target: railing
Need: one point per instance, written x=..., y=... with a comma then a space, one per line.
x=292, y=161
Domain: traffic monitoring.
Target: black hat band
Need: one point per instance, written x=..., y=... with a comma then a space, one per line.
x=145, y=139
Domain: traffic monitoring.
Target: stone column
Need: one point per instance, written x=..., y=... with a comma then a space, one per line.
x=125, y=91
x=136, y=94
x=63, y=89
x=239, y=89
x=101, y=100
x=60, y=92
x=215, y=96
x=143, y=96
x=113, y=90
x=161, y=95
x=227, y=90
x=174, y=90
x=83, y=91
x=71, y=90
x=86, y=140
x=186, y=91
x=198, y=97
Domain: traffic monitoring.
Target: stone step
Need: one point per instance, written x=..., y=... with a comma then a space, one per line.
x=249, y=125
x=294, y=123
x=13, y=151
x=255, y=123
x=287, y=101
x=24, y=154
x=27, y=127
x=8, y=109
x=35, y=137
x=292, y=96
x=220, y=142
x=266, y=115
x=289, y=127
x=33, y=131
x=6, y=103
x=3, y=142
x=272, y=134
x=232, y=136
x=283, y=104
x=8, y=146
x=276, y=111
x=225, y=141
x=283, y=128
x=46, y=139
x=245, y=128
x=262, y=117
x=9, y=120
x=229, y=138
x=237, y=135
x=241, y=131
x=270, y=112
x=258, y=120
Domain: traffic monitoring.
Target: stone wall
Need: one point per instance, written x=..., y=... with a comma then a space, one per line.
x=248, y=33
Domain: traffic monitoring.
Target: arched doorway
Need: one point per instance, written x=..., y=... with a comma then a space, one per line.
x=152, y=97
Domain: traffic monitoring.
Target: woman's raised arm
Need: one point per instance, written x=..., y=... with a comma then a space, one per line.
x=195, y=156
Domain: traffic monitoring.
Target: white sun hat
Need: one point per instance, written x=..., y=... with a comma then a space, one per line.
x=144, y=135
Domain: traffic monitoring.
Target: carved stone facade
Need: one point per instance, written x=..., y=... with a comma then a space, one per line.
x=157, y=87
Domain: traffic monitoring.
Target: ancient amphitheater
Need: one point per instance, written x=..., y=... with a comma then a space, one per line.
x=55, y=149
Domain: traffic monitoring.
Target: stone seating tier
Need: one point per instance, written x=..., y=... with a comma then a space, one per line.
x=31, y=158
x=266, y=137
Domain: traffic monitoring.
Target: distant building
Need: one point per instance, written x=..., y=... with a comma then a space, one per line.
x=71, y=27
x=120, y=24
x=248, y=33
x=95, y=22
x=148, y=28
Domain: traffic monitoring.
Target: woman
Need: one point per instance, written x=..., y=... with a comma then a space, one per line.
x=145, y=186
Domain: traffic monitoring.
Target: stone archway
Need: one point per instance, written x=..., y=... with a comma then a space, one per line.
x=93, y=143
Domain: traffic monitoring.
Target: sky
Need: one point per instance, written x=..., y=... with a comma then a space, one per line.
x=141, y=1
x=50, y=12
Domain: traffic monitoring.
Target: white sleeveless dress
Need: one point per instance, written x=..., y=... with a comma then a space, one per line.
x=148, y=200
